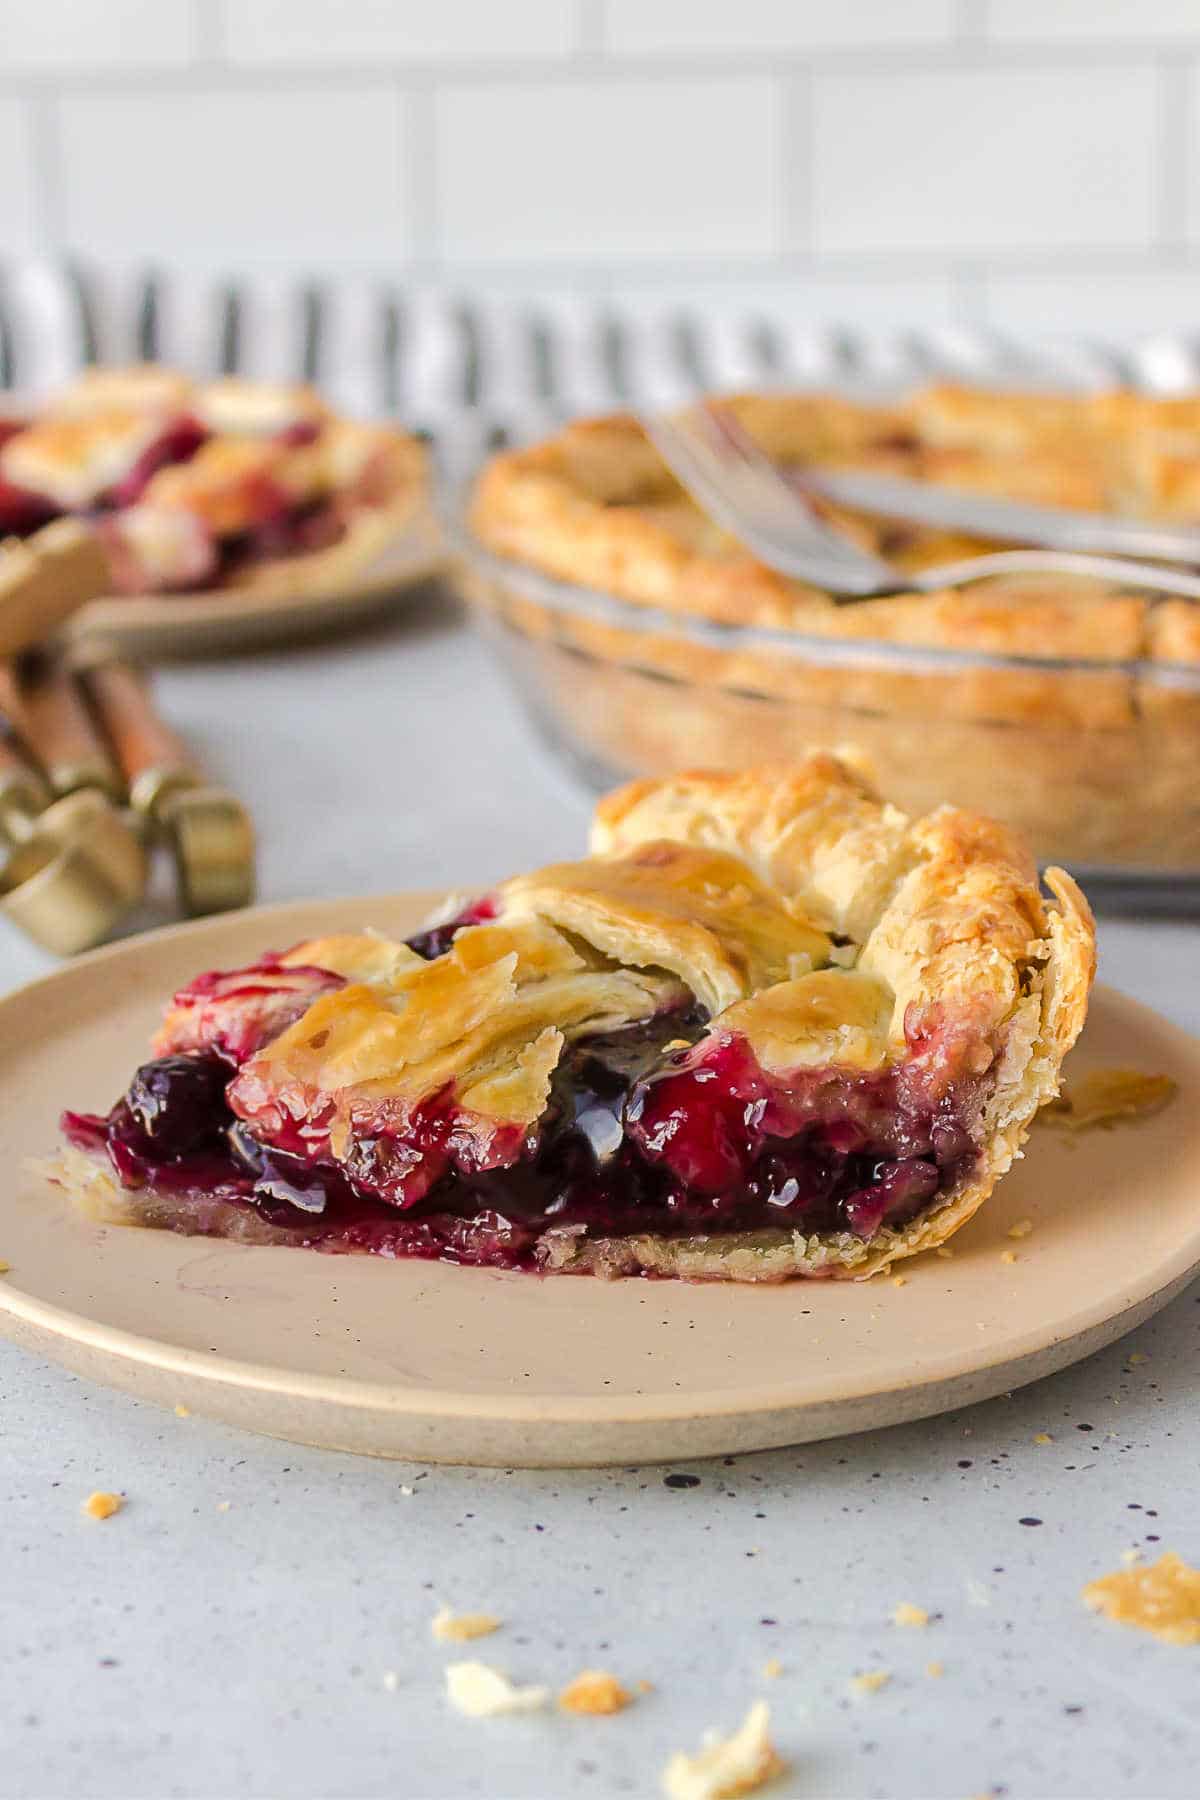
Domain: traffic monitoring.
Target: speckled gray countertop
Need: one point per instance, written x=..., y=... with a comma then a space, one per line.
x=230, y=1631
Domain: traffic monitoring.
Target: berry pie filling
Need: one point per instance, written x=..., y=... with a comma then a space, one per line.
x=671, y=1124
x=770, y=1028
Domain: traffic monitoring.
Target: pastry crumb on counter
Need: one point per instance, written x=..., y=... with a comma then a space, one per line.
x=1008, y=1256
x=935, y=1670
x=182, y=1411
x=870, y=1682
x=460, y=1628
x=1021, y=1229
x=1137, y=1356
x=908, y=1614
x=726, y=1767
x=772, y=1668
x=945, y=1252
x=1106, y=1096
x=481, y=1692
x=406, y=1491
x=1162, y=1598
x=1132, y=1555
x=1043, y=1437
x=595, y=1691
x=103, y=1506
x=899, y=1280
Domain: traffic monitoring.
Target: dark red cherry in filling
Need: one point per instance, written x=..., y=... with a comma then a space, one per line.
x=177, y=1103
x=178, y=443
x=437, y=940
x=22, y=512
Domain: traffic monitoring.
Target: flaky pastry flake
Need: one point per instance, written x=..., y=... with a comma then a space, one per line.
x=726, y=1767
x=1162, y=1598
x=481, y=1692
x=1106, y=1096
x=594, y=1691
x=460, y=1628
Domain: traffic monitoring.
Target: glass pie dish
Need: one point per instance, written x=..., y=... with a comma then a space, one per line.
x=1068, y=707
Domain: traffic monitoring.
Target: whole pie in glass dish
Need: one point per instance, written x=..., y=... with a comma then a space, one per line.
x=240, y=484
x=646, y=638
x=770, y=1027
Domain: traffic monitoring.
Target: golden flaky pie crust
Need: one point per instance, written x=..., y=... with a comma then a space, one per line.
x=596, y=505
x=742, y=887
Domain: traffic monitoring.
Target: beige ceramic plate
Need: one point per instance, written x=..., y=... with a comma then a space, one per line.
x=153, y=628
x=437, y=1363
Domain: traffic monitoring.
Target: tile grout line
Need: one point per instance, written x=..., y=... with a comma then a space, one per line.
x=46, y=156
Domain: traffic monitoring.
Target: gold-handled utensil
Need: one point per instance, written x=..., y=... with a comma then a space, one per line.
x=53, y=717
x=77, y=873
x=23, y=793
x=206, y=828
x=75, y=869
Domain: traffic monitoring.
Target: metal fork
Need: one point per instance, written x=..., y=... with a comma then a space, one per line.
x=737, y=484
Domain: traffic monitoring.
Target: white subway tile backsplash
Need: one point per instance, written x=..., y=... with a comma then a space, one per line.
x=660, y=26
x=1190, y=173
x=293, y=177
x=332, y=31
x=1028, y=164
x=576, y=171
x=87, y=34
x=978, y=161
x=1092, y=21
x=18, y=193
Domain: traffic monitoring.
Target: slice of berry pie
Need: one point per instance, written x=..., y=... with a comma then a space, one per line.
x=229, y=483
x=770, y=1027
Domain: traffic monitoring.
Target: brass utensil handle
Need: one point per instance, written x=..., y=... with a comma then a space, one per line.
x=55, y=722
x=23, y=793
x=154, y=759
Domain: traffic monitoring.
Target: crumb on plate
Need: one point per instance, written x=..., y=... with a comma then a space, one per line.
x=1043, y=1437
x=182, y=1411
x=460, y=1628
x=1162, y=1598
x=772, y=1668
x=725, y=1767
x=1021, y=1229
x=1106, y=1096
x=935, y=1670
x=482, y=1692
x=908, y=1614
x=102, y=1506
x=594, y=1691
